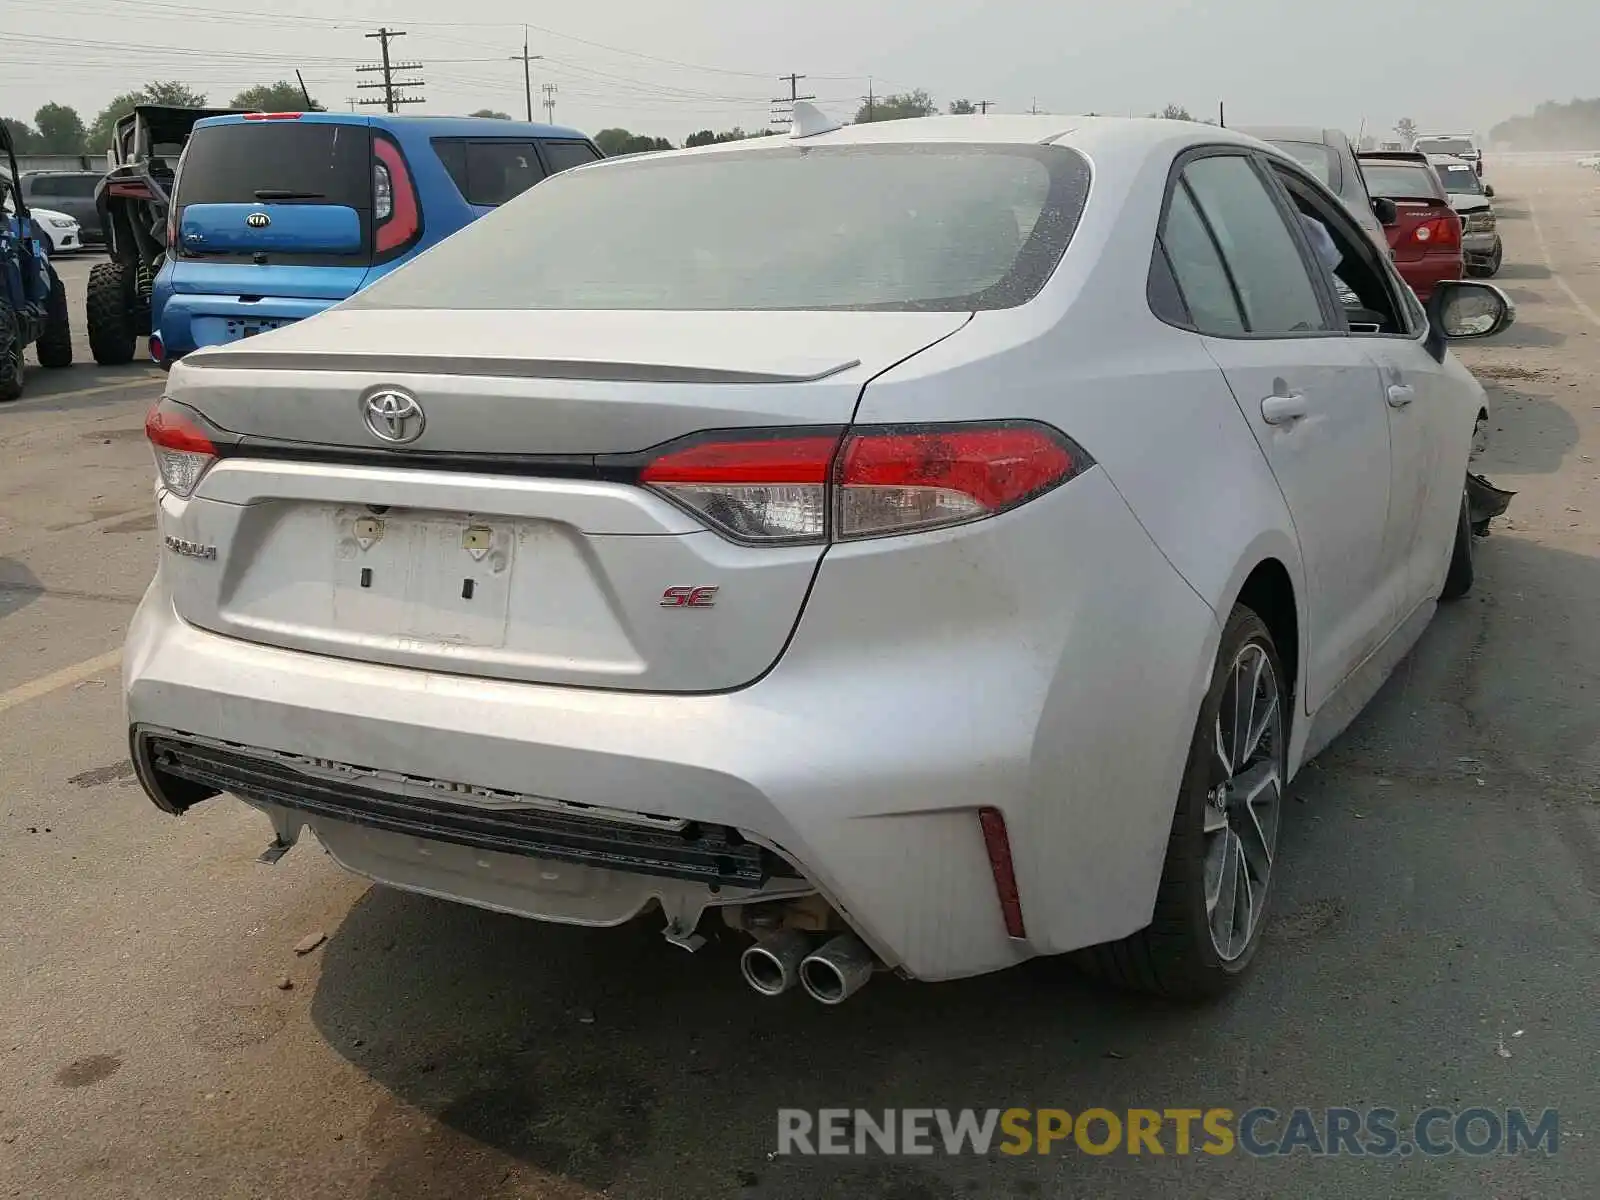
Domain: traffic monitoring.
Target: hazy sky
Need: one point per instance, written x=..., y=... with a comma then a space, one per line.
x=668, y=69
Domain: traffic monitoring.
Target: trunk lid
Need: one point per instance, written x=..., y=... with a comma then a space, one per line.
x=1412, y=214
x=490, y=545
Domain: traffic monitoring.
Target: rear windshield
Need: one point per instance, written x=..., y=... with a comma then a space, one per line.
x=1460, y=179
x=1445, y=145
x=1399, y=181
x=282, y=161
x=926, y=227
x=1316, y=158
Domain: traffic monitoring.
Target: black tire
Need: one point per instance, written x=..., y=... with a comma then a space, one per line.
x=113, y=337
x=1458, y=580
x=1495, y=260
x=54, y=346
x=13, y=369
x=1176, y=955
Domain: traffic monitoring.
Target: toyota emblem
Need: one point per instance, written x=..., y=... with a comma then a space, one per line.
x=258, y=220
x=394, y=416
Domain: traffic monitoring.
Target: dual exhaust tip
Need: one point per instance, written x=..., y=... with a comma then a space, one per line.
x=831, y=974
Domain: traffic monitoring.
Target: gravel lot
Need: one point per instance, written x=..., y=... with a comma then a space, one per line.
x=1436, y=941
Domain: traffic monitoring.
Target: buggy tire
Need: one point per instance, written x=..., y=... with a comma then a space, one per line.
x=1458, y=580
x=113, y=337
x=54, y=346
x=13, y=368
x=1177, y=956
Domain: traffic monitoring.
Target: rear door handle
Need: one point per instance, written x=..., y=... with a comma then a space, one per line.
x=1401, y=394
x=1283, y=410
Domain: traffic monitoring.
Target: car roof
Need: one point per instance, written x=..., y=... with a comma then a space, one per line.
x=432, y=126
x=1096, y=137
x=1295, y=133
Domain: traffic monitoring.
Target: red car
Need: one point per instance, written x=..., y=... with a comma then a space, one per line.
x=1425, y=236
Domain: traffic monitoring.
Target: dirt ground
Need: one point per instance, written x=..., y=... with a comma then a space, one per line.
x=1436, y=940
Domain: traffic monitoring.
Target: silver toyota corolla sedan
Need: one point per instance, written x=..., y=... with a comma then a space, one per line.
x=933, y=544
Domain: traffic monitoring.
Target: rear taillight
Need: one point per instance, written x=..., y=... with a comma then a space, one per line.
x=394, y=198
x=1444, y=232
x=282, y=116
x=184, y=447
x=808, y=485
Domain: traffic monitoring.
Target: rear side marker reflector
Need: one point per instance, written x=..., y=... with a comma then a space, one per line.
x=804, y=486
x=998, y=844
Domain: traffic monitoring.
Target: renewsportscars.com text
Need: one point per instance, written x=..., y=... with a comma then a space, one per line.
x=1258, y=1132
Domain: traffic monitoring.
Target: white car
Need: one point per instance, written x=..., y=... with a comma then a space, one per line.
x=58, y=233
x=933, y=543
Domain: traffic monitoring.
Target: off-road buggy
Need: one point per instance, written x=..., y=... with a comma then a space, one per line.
x=134, y=200
x=33, y=300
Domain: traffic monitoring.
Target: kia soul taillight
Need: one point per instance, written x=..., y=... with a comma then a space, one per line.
x=810, y=485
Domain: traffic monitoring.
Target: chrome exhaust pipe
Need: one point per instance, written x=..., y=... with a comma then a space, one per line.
x=771, y=965
x=837, y=971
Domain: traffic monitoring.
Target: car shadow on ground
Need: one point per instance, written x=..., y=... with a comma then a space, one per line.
x=1521, y=270
x=84, y=386
x=1545, y=432
x=19, y=587
x=576, y=1062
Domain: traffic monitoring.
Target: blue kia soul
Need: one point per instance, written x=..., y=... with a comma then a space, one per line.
x=276, y=216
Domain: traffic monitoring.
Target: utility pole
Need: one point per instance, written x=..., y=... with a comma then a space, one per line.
x=392, y=95
x=1222, y=115
x=1033, y=109
x=527, y=80
x=870, y=99
x=351, y=101
x=983, y=106
x=783, y=106
x=550, y=91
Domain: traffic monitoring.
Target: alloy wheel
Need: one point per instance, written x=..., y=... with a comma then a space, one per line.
x=1244, y=805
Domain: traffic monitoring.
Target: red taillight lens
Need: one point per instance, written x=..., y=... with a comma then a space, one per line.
x=184, y=451
x=753, y=489
x=997, y=842
x=394, y=198
x=1441, y=231
x=895, y=482
x=793, y=486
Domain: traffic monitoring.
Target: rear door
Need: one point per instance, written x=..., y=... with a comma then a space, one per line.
x=1309, y=394
x=259, y=201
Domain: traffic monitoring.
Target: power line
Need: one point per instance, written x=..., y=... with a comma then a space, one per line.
x=392, y=94
x=527, y=79
x=783, y=106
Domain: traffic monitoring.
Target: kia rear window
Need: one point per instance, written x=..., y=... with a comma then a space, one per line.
x=489, y=172
x=904, y=228
x=1397, y=181
x=289, y=162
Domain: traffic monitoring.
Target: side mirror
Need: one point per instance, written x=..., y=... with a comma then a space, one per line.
x=1460, y=311
x=1488, y=190
x=1384, y=209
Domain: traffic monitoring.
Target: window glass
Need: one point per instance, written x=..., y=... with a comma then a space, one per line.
x=1263, y=258
x=489, y=173
x=241, y=163
x=906, y=228
x=1198, y=268
x=44, y=185
x=1315, y=157
x=1401, y=181
x=561, y=155
x=1360, y=281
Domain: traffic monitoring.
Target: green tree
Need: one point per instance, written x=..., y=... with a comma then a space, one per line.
x=283, y=96
x=1407, y=129
x=897, y=107
x=707, y=138
x=60, y=129
x=172, y=92
x=613, y=142
x=489, y=112
x=962, y=108
x=1174, y=112
x=23, y=138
